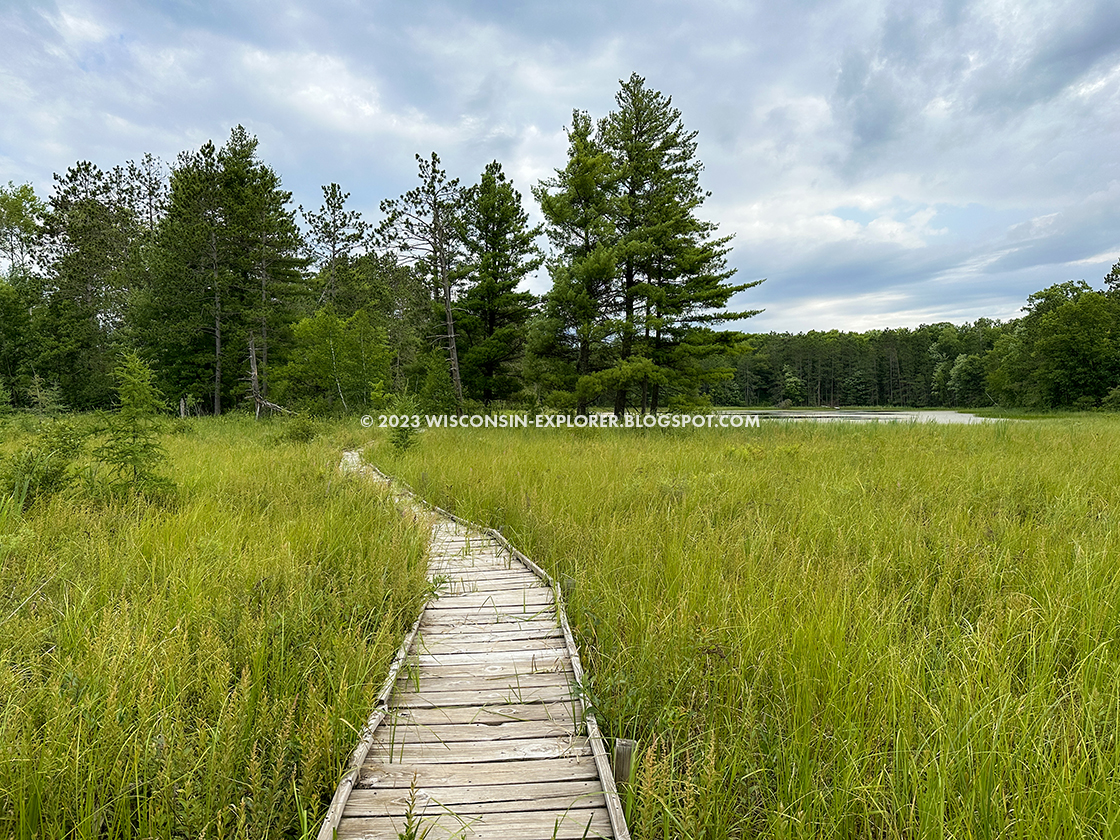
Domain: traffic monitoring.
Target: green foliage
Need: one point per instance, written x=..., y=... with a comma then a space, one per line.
x=334, y=235
x=966, y=381
x=20, y=214
x=437, y=395
x=638, y=276
x=500, y=253
x=5, y=399
x=793, y=387
x=228, y=267
x=44, y=467
x=300, y=429
x=132, y=448
x=335, y=364
x=572, y=340
x=1065, y=351
x=421, y=226
x=45, y=398
x=1112, y=401
x=405, y=435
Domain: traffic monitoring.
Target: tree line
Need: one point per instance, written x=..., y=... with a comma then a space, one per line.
x=1063, y=352
x=234, y=297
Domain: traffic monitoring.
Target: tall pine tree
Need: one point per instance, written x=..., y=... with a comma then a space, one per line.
x=421, y=226
x=672, y=269
x=499, y=252
x=229, y=266
x=570, y=343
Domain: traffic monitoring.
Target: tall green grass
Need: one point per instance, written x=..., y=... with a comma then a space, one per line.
x=830, y=630
x=198, y=668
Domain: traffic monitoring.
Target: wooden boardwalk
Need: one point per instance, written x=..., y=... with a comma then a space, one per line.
x=481, y=731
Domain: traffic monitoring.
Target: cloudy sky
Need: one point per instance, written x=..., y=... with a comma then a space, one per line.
x=881, y=164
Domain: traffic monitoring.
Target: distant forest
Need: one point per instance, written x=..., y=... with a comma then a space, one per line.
x=236, y=299
x=1063, y=352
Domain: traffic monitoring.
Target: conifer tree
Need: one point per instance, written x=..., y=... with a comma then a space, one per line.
x=334, y=234
x=132, y=449
x=421, y=226
x=229, y=263
x=499, y=252
x=672, y=268
x=570, y=342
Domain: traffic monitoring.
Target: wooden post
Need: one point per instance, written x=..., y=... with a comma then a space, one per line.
x=623, y=760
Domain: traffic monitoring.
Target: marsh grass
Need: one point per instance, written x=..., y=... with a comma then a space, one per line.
x=199, y=667
x=830, y=630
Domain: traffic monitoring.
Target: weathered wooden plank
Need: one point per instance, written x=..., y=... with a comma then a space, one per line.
x=428, y=802
x=380, y=774
x=558, y=711
x=411, y=733
x=557, y=825
x=487, y=618
x=482, y=581
x=452, y=568
x=515, y=749
x=504, y=598
x=523, y=662
x=495, y=799
x=509, y=694
x=454, y=618
x=451, y=643
x=464, y=585
x=501, y=633
x=482, y=564
x=432, y=675
x=423, y=683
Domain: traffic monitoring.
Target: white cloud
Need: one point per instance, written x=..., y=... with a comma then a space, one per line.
x=875, y=160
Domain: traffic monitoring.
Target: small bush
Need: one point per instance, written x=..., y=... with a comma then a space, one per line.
x=404, y=437
x=300, y=429
x=46, y=466
x=1112, y=401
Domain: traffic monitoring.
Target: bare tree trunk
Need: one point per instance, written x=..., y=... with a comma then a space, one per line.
x=264, y=331
x=253, y=380
x=337, y=381
x=445, y=280
x=217, y=349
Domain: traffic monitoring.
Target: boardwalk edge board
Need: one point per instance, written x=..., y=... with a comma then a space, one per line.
x=351, y=462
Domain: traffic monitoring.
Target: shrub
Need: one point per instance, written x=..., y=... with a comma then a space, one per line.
x=1112, y=401
x=403, y=437
x=45, y=467
x=300, y=429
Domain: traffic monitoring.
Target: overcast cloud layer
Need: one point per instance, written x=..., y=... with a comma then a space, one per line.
x=880, y=166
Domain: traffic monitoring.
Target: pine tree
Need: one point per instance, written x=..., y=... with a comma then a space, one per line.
x=673, y=270
x=78, y=309
x=421, y=225
x=570, y=342
x=334, y=234
x=229, y=264
x=132, y=449
x=500, y=251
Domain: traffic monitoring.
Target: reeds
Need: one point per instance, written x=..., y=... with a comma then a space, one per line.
x=830, y=630
x=197, y=668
